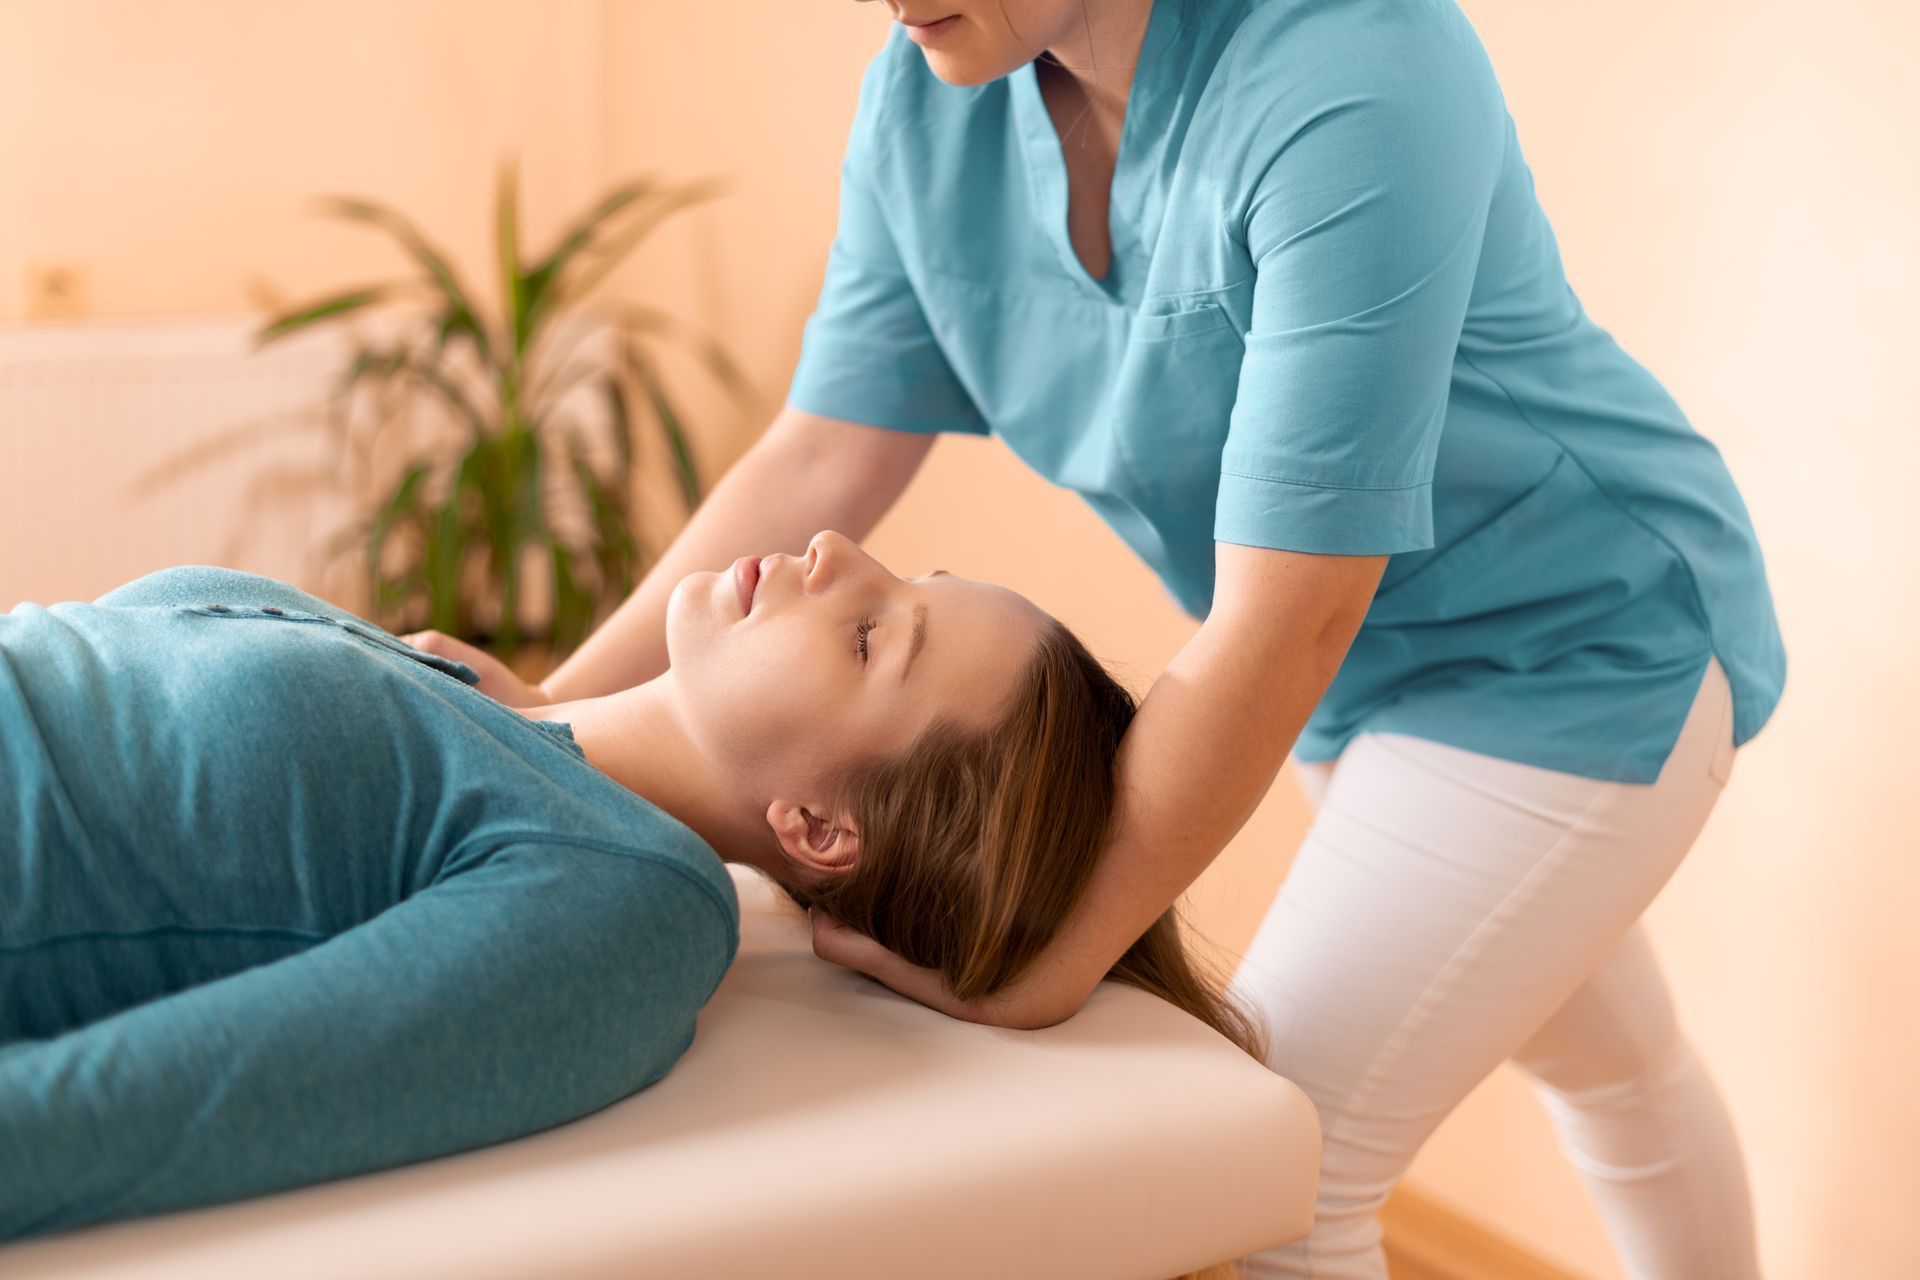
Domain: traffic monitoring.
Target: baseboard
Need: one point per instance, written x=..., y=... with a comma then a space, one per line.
x=1426, y=1240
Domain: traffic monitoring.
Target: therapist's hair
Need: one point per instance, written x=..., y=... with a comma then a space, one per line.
x=975, y=846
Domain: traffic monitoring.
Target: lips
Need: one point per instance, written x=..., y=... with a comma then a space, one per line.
x=746, y=577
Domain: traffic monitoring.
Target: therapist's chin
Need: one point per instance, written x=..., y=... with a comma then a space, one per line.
x=962, y=67
x=964, y=73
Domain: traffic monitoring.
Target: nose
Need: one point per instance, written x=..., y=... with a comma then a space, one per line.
x=829, y=554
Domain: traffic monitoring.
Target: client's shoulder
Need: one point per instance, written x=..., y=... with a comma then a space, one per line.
x=650, y=881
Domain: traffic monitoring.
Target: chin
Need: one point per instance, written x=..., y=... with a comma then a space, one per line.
x=687, y=594
x=964, y=72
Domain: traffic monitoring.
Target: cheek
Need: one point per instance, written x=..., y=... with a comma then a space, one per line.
x=778, y=690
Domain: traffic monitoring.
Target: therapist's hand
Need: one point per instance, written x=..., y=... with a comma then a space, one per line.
x=497, y=680
x=1021, y=1004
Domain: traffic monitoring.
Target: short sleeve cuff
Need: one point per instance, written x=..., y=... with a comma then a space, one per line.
x=1255, y=511
x=865, y=379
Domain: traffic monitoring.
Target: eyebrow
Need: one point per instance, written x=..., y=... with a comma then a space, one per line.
x=919, y=632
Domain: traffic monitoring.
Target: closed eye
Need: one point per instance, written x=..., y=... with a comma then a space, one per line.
x=868, y=624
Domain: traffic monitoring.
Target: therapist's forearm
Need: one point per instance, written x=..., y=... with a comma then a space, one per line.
x=1200, y=753
x=781, y=492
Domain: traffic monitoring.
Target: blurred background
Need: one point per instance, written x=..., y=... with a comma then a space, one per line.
x=1734, y=186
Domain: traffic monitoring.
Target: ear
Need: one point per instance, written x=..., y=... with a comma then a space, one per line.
x=813, y=843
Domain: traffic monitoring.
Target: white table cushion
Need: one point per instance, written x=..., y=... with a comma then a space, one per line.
x=821, y=1127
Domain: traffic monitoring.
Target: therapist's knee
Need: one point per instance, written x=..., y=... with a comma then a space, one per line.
x=1616, y=1035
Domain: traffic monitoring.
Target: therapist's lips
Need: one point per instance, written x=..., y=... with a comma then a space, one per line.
x=924, y=32
x=746, y=577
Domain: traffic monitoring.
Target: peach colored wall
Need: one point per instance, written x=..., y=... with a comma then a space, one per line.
x=1735, y=192
x=165, y=156
x=1735, y=188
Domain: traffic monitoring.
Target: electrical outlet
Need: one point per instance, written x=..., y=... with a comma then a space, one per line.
x=56, y=291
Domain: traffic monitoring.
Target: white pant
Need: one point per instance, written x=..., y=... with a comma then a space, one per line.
x=1449, y=910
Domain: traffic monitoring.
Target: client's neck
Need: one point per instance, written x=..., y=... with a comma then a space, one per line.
x=640, y=738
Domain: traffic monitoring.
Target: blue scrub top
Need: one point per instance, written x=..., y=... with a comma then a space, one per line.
x=1336, y=322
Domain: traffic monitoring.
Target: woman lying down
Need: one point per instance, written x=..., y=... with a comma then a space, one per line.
x=283, y=899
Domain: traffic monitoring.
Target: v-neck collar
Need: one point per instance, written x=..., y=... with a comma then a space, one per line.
x=1139, y=125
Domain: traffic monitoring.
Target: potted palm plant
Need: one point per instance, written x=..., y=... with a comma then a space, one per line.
x=447, y=543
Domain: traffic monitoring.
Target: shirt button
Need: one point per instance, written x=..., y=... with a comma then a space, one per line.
x=276, y=612
x=219, y=608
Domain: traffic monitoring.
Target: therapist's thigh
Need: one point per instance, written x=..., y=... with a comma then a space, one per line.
x=1442, y=905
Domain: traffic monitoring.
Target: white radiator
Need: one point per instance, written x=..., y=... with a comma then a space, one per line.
x=87, y=409
x=94, y=415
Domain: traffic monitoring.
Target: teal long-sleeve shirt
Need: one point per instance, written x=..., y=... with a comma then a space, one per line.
x=284, y=900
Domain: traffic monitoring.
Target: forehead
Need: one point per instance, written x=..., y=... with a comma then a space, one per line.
x=979, y=634
x=963, y=602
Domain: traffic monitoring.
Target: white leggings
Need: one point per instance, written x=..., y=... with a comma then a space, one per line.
x=1449, y=910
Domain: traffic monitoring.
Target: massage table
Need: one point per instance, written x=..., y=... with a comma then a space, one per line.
x=821, y=1127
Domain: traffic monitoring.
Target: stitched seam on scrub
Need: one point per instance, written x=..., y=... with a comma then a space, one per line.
x=1310, y=484
x=1693, y=583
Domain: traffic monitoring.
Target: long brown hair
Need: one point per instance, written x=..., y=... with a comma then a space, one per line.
x=976, y=846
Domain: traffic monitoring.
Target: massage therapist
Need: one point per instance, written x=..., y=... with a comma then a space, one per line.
x=1267, y=284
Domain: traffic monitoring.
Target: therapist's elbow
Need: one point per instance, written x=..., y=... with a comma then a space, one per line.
x=1287, y=597
x=1347, y=610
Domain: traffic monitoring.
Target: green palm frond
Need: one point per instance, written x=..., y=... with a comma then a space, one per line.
x=329, y=308
x=447, y=542
x=539, y=280
x=578, y=284
x=466, y=317
x=684, y=471
x=636, y=320
x=506, y=230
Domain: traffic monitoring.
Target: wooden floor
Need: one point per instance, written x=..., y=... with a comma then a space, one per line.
x=1425, y=1240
